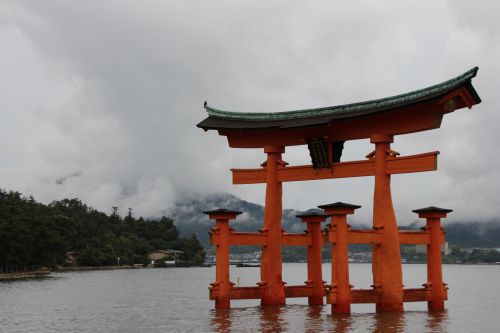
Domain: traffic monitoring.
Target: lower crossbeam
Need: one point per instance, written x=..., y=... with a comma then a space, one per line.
x=358, y=296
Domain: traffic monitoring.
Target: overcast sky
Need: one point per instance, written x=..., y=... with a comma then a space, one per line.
x=99, y=99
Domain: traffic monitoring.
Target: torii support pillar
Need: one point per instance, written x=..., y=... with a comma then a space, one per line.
x=314, y=259
x=386, y=264
x=340, y=288
x=271, y=263
x=435, y=283
x=222, y=282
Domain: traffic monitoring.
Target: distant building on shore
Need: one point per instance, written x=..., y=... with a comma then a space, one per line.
x=422, y=248
x=164, y=257
x=70, y=259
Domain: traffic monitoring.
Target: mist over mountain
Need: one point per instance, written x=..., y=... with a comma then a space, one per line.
x=469, y=234
x=189, y=219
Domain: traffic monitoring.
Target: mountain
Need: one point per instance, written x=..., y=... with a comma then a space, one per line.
x=469, y=234
x=189, y=219
x=474, y=234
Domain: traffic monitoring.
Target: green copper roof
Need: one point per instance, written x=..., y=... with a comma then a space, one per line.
x=383, y=103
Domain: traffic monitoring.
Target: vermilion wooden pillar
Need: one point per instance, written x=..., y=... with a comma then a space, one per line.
x=340, y=289
x=433, y=216
x=222, y=283
x=314, y=258
x=271, y=263
x=386, y=266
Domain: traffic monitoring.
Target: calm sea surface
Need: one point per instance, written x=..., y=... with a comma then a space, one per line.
x=176, y=300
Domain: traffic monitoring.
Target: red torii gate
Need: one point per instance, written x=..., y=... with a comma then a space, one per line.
x=325, y=130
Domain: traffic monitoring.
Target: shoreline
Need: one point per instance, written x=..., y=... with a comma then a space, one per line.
x=111, y=268
x=47, y=273
x=23, y=275
x=94, y=268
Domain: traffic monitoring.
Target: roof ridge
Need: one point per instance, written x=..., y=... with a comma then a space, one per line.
x=317, y=112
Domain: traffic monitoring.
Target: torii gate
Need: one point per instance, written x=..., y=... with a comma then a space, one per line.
x=325, y=130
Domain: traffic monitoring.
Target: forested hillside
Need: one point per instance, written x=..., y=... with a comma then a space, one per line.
x=34, y=234
x=474, y=234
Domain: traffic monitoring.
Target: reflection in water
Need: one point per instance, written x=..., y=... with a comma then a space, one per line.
x=342, y=322
x=303, y=318
x=389, y=322
x=221, y=320
x=395, y=322
x=437, y=321
x=314, y=319
x=271, y=319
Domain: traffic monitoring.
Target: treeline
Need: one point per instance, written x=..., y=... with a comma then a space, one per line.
x=476, y=256
x=33, y=234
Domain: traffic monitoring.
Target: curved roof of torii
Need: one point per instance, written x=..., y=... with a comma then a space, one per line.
x=438, y=99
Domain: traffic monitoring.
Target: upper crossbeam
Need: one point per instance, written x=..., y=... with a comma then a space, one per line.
x=395, y=165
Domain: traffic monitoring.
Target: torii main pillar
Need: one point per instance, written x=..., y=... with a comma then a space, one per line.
x=387, y=269
x=271, y=265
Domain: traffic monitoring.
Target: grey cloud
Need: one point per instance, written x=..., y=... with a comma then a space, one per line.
x=60, y=181
x=114, y=89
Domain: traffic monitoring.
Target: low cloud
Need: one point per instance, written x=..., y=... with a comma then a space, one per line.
x=100, y=99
